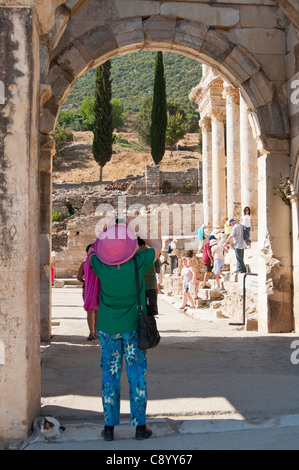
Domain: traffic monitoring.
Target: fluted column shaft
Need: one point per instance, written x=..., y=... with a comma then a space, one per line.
x=218, y=169
x=249, y=164
x=231, y=96
x=206, y=128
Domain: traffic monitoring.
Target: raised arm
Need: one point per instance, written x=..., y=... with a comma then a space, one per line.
x=151, y=242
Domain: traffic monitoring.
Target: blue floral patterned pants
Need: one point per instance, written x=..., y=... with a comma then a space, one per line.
x=113, y=348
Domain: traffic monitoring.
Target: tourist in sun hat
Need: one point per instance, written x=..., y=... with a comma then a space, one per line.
x=118, y=321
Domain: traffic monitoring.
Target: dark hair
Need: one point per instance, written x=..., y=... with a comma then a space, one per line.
x=120, y=220
x=87, y=248
x=246, y=209
x=190, y=253
x=140, y=241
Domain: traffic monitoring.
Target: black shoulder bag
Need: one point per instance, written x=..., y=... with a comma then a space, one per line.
x=148, y=334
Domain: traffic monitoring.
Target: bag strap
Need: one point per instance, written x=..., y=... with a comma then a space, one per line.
x=139, y=305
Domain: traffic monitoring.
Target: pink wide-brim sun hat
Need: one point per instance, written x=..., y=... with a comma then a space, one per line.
x=116, y=245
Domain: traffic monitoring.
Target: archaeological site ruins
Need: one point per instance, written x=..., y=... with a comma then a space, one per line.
x=248, y=105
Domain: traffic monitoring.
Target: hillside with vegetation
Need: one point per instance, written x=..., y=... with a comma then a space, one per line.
x=133, y=79
x=75, y=166
x=132, y=94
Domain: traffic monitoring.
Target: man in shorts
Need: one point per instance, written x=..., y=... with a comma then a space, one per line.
x=207, y=259
x=218, y=249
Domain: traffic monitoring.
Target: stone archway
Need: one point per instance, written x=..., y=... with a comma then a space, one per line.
x=46, y=46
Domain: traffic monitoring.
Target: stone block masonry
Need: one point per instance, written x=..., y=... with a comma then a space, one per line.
x=173, y=215
x=171, y=181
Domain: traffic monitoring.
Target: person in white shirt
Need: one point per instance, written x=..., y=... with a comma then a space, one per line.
x=247, y=224
x=218, y=249
x=239, y=244
x=187, y=276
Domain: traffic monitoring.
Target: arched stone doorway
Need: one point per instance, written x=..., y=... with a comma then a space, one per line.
x=46, y=46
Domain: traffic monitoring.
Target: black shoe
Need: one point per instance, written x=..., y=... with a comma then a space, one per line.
x=108, y=433
x=142, y=432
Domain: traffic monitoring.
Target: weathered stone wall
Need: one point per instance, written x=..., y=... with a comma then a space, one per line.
x=162, y=215
x=87, y=204
x=182, y=180
x=19, y=216
x=156, y=181
x=254, y=44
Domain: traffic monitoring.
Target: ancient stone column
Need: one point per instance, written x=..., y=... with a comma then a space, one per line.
x=47, y=149
x=233, y=181
x=218, y=168
x=295, y=248
x=206, y=129
x=275, y=296
x=19, y=215
x=249, y=169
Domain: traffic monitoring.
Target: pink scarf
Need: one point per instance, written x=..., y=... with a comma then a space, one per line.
x=92, y=287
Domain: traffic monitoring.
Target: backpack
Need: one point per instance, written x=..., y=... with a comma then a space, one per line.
x=169, y=249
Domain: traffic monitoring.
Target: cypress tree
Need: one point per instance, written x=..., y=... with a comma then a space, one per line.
x=159, y=112
x=103, y=128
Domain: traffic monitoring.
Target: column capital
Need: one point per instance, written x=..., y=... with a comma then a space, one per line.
x=205, y=124
x=218, y=114
x=231, y=95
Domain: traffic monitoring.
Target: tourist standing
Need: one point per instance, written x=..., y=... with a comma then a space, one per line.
x=159, y=274
x=247, y=224
x=187, y=276
x=239, y=244
x=218, y=249
x=195, y=264
x=201, y=237
x=207, y=259
x=173, y=255
x=118, y=321
x=92, y=315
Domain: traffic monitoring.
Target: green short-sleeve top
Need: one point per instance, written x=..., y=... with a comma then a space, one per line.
x=118, y=301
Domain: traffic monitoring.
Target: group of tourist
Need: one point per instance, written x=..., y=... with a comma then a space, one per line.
x=114, y=318
x=235, y=235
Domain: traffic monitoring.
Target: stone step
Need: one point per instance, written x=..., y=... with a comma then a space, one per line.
x=210, y=294
x=72, y=282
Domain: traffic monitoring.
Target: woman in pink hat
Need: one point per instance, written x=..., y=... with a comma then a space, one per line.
x=118, y=321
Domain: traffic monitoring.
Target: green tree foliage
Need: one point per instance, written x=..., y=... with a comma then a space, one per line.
x=142, y=124
x=87, y=112
x=83, y=118
x=159, y=111
x=133, y=81
x=61, y=135
x=176, y=129
x=117, y=113
x=103, y=126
